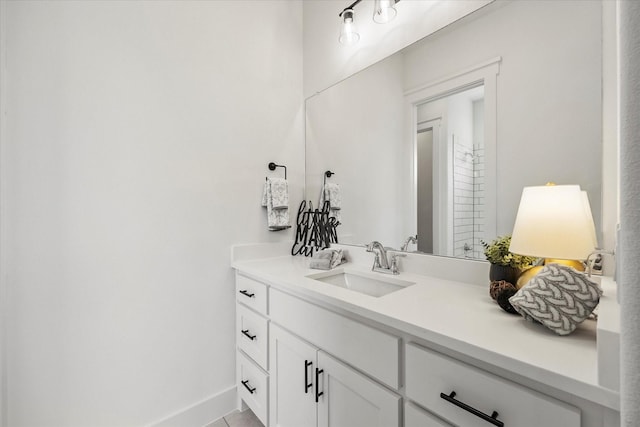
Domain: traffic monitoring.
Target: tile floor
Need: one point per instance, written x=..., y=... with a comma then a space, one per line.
x=237, y=419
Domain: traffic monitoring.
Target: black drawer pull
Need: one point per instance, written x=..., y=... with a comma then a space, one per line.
x=245, y=383
x=246, y=293
x=307, y=386
x=493, y=419
x=318, y=392
x=246, y=333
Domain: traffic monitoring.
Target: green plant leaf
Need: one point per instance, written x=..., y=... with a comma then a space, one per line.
x=497, y=252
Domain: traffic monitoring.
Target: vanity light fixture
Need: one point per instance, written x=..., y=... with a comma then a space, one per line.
x=383, y=11
x=554, y=222
x=348, y=33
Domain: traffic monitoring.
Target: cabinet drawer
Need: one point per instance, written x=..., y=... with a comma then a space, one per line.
x=417, y=417
x=253, y=387
x=252, y=334
x=370, y=350
x=251, y=293
x=428, y=374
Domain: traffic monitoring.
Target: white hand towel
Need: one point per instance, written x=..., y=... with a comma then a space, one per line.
x=277, y=218
x=320, y=264
x=279, y=193
x=327, y=259
x=331, y=193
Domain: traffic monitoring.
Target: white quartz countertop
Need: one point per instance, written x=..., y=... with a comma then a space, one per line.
x=460, y=317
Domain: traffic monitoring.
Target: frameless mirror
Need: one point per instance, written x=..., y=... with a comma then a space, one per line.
x=440, y=138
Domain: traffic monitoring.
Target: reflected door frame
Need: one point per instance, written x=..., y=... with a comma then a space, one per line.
x=484, y=73
x=440, y=192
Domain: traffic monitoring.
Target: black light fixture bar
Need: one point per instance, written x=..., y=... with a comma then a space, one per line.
x=351, y=6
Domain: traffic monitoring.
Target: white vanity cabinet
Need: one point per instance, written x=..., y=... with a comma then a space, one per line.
x=309, y=388
x=252, y=338
x=305, y=361
x=309, y=383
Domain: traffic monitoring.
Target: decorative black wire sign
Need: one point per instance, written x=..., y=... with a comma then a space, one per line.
x=315, y=229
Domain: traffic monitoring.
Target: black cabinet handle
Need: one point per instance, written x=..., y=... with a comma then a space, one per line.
x=318, y=392
x=245, y=383
x=307, y=386
x=246, y=293
x=493, y=419
x=246, y=333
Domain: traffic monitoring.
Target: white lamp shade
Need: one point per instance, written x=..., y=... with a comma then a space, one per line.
x=554, y=221
x=587, y=208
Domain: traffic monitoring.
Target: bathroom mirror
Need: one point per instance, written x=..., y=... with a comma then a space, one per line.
x=442, y=136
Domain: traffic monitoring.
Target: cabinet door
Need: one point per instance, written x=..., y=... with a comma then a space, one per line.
x=292, y=386
x=349, y=399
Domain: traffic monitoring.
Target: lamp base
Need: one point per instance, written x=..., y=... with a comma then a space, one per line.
x=578, y=265
x=527, y=275
x=531, y=272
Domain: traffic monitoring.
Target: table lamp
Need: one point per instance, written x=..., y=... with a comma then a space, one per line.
x=554, y=222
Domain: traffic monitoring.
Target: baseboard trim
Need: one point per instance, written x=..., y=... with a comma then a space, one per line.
x=202, y=413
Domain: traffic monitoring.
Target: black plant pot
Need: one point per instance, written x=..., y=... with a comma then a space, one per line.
x=506, y=273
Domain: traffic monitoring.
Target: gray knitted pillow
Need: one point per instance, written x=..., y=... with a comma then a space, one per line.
x=559, y=297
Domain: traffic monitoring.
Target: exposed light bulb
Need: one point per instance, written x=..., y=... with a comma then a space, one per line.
x=384, y=11
x=349, y=33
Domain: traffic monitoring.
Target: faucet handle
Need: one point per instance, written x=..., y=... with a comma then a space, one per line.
x=394, y=263
x=376, y=261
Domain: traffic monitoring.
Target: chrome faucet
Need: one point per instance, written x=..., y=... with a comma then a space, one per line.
x=410, y=239
x=380, y=252
x=381, y=262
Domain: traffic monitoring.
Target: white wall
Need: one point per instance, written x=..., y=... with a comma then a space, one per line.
x=135, y=150
x=629, y=212
x=326, y=62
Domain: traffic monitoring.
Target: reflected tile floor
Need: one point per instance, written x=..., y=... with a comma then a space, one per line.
x=238, y=419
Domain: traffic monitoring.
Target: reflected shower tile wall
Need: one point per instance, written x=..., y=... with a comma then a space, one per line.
x=468, y=209
x=463, y=201
x=479, y=204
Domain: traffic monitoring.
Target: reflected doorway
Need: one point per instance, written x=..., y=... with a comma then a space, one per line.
x=424, y=182
x=449, y=176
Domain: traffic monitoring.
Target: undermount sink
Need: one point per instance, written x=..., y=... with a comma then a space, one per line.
x=368, y=283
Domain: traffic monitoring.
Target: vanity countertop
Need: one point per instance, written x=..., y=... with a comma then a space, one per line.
x=460, y=317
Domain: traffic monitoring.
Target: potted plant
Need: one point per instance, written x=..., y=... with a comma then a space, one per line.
x=505, y=265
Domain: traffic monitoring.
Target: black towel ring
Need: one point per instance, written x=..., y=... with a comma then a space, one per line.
x=327, y=174
x=273, y=166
